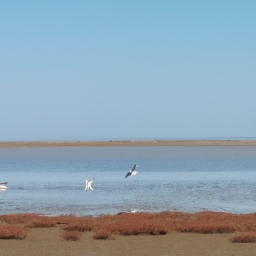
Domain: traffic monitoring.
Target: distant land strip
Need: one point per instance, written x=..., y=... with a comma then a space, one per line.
x=126, y=143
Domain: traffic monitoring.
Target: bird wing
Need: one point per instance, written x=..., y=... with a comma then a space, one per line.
x=128, y=174
x=133, y=168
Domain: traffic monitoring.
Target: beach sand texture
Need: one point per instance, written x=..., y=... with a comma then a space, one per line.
x=48, y=241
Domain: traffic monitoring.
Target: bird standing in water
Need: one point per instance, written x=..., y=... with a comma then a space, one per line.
x=88, y=184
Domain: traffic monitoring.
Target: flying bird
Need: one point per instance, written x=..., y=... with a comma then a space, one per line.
x=88, y=184
x=132, y=171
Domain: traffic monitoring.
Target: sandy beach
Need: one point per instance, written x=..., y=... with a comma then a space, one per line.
x=127, y=143
x=48, y=241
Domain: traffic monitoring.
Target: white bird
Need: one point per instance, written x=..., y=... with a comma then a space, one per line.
x=133, y=210
x=3, y=186
x=88, y=184
x=132, y=171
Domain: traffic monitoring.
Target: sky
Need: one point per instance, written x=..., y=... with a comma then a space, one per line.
x=110, y=70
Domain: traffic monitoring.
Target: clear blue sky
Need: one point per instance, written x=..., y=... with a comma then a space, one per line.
x=78, y=70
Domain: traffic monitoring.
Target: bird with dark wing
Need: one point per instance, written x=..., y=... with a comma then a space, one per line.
x=132, y=171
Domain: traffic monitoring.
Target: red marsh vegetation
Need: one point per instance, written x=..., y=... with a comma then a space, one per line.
x=129, y=224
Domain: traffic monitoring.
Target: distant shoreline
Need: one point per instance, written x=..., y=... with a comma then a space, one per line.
x=126, y=143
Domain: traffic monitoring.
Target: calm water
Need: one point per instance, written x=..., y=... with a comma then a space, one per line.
x=190, y=179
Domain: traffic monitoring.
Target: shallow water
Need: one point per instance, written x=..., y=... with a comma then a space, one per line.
x=190, y=179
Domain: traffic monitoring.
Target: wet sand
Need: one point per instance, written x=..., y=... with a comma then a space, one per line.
x=31, y=144
x=48, y=241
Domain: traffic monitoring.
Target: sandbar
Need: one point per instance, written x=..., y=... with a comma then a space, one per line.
x=126, y=143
